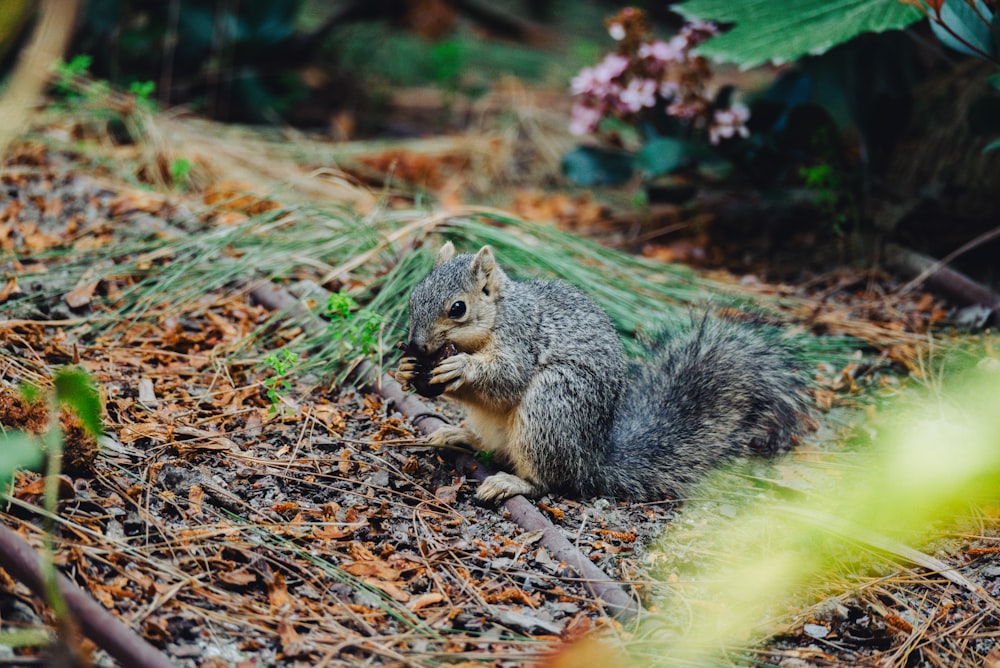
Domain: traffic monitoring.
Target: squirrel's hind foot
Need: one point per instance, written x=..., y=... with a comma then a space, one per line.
x=500, y=486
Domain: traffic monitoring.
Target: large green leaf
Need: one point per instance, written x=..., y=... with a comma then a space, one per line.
x=593, y=166
x=968, y=28
x=661, y=155
x=781, y=31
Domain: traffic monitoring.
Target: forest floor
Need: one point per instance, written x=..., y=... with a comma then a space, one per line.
x=234, y=517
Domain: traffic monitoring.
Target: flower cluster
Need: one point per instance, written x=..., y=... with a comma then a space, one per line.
x=644, y=73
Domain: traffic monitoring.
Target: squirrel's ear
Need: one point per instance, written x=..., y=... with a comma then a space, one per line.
x=446, y=253
x=484, y=268
x=483, y=262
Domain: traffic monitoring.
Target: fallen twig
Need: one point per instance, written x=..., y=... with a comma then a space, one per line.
x=953, y=284
x=108, y=632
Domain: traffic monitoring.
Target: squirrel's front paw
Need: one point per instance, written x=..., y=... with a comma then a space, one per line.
x=500, y=486
x=407, y=371
x=451, y=372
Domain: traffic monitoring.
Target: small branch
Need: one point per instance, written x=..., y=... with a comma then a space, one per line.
x=953, y=284
x=107, y=631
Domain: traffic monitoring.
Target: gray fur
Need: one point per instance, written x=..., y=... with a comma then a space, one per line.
x=588, y=425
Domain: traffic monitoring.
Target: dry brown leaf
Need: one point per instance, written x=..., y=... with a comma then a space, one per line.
x=390, y=588
x=292, y=644
x=36, y=488
x=202, y=439
x=37, y=240
x=513, y=595
x=423, y=600
x=137, y=201
x=373, y=568
x=238, y=196
x=449, y=493
x=623, y=536
x=344, y=461
x=334, y=532
x=82, y=293
x=157, y=432
x=195, y=495
x=555, y=513
x=332, y=417
x=240, y=577
x=9, y=288
x=277, y=593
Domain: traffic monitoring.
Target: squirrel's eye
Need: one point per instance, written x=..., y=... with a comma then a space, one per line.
x=457, y=310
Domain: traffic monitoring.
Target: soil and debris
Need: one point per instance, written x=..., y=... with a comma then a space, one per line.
x=235, y=522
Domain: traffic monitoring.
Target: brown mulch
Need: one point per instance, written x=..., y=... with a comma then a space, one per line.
x=230, y=529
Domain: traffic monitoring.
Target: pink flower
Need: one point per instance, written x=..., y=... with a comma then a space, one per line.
x=669, y=90
x=584, y=119
x=682, y=110
x=728, y=123
x=583, y=82
x=696, y=32
x=612, y=66
x=660, y=50
x=680, y=45
x=638, y=94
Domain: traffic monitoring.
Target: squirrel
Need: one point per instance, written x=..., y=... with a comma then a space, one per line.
x=547, y=387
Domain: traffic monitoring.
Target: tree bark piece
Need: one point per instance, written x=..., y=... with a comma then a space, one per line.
x=618, y=603
x=953, y=284
x=107, y=631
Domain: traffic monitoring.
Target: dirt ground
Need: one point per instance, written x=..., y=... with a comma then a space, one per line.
x=232, y=520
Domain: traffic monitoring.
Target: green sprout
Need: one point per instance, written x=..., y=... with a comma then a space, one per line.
x=485, y=457
x=281, y=362
x=66, y=73
x=180, y=170
x=143, y=90
x=357, y=328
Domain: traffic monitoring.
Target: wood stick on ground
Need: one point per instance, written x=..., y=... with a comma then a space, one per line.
x=953, y=284
x=618, y=603
x=107, y=631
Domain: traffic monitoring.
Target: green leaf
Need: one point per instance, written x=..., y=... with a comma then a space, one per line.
x=992, y=146
x=76, y=388
x=661, y=155
x=964, y=30
x=591, y=166
x=18, y=450
x=179, y=170
x=781, y=32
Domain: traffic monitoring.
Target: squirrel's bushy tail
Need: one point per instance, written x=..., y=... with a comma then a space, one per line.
x=721, y=389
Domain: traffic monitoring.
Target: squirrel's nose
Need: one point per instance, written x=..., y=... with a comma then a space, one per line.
x=416, y=347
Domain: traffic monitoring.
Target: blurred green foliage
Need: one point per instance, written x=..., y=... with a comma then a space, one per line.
x=230, y=59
